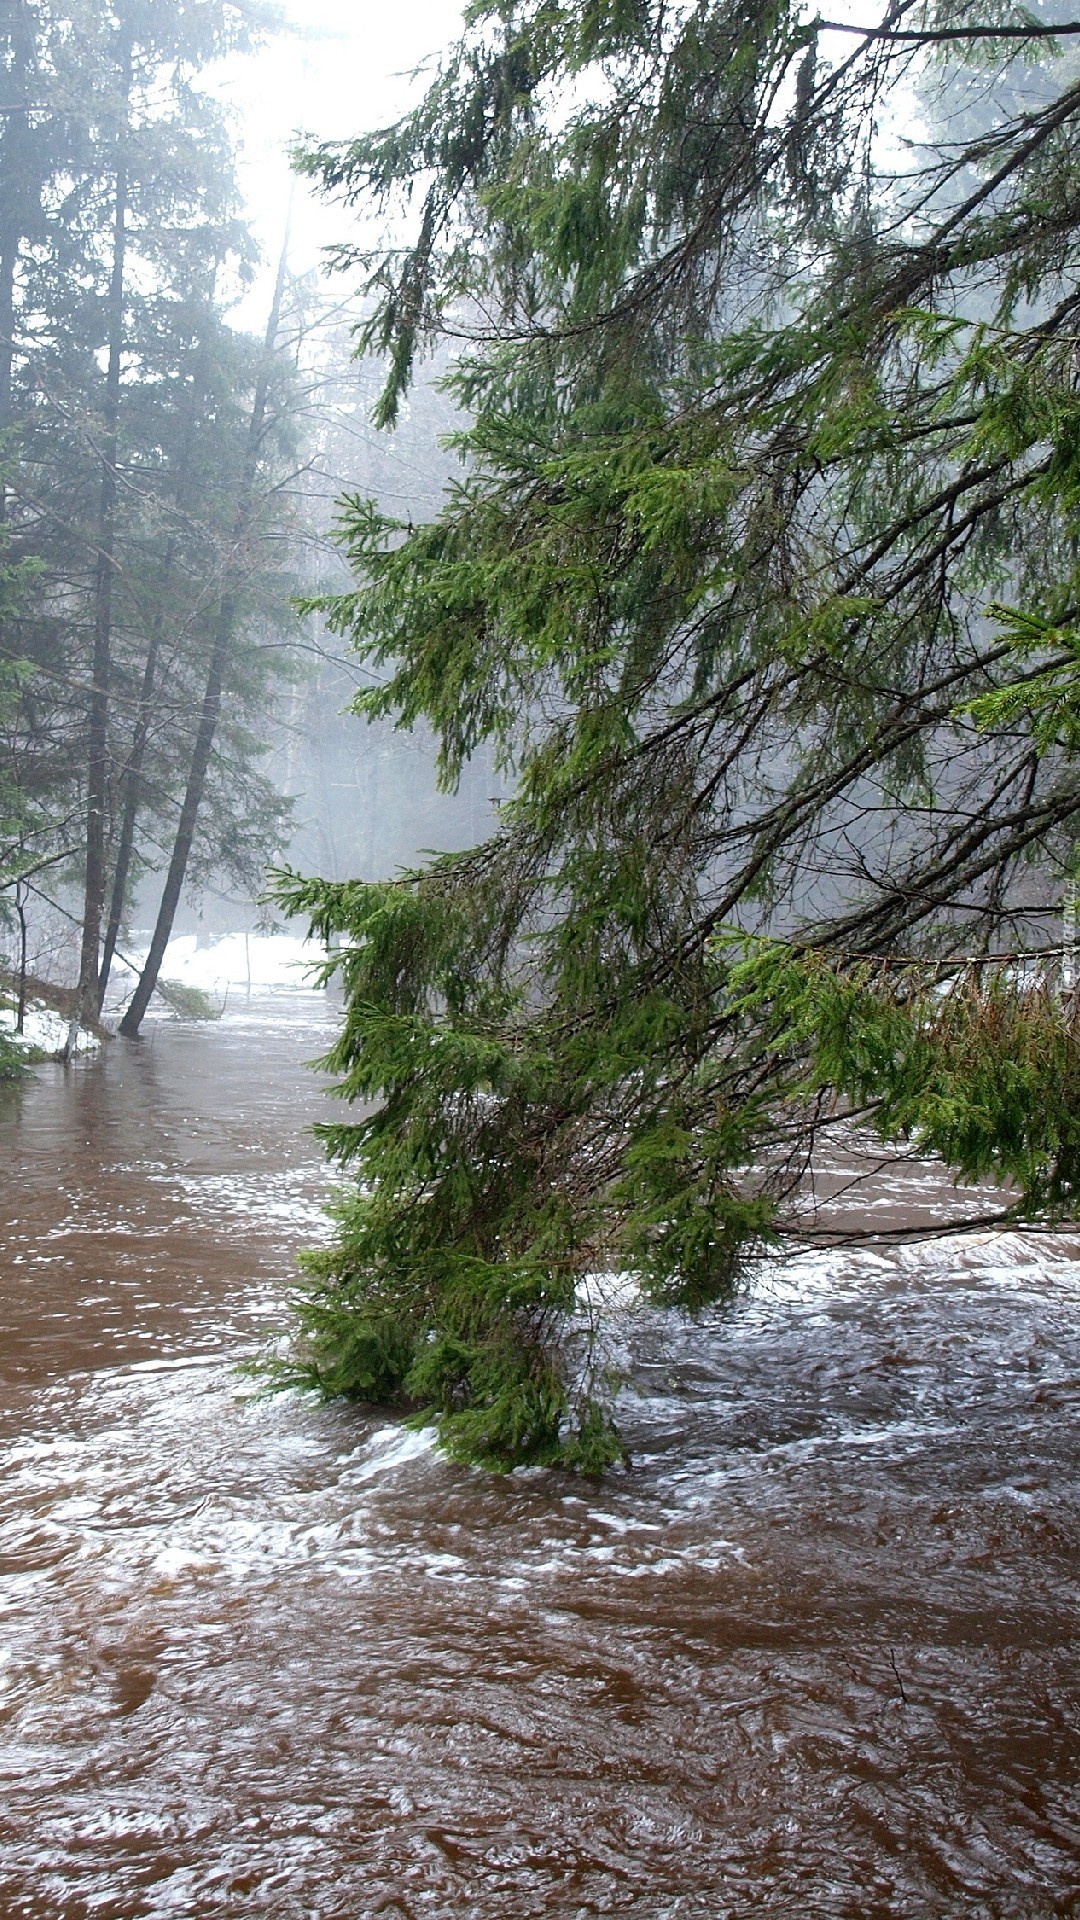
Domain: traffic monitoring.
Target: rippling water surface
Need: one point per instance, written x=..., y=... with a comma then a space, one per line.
x=814, y=1654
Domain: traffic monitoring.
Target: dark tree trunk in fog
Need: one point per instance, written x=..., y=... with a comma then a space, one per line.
x=9, y=247
x=20, y=911
x=17, y=193
x=189, y=815
x=215, y=678
x=16, y=162
x=131, y=792
x=131, y=779
x=97, y=773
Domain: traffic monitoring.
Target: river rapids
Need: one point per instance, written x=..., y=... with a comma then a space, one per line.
x=813, y=1654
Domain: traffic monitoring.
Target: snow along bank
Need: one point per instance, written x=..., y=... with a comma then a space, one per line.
x=263, y=962
x=44, y=1029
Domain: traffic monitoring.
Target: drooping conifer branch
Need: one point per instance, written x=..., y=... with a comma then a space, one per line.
x=762, y=439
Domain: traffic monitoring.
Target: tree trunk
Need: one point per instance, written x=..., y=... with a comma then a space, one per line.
x=15, y=205
x=97, y=773
x=189, y=815
x=13, y=162
x=9, y=249
x=131, y=779
x=131, y=794
x=20, y=909
x=211, y=702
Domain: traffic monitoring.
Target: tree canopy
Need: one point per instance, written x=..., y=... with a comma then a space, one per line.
x=761, y=577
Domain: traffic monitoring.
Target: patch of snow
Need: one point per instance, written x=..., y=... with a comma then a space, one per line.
x=45, y=1029
x=239, y=960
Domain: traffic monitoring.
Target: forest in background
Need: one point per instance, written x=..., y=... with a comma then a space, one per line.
x=168, y=722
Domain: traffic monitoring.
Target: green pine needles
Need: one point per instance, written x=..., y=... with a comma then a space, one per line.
x=13, y=1058
x=765, y=432
x=978, y=1064
x=507, y=1158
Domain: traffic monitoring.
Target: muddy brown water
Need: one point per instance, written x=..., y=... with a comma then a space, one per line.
x=814, y=1654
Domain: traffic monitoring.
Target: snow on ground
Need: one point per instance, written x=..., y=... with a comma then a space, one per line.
x=240, y=960
x=45, y=1029
x=233, y=964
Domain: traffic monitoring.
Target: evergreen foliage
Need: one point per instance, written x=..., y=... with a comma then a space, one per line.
x=978, y=1064
x=125, y=402
x=12, y=1059
x=772, y=414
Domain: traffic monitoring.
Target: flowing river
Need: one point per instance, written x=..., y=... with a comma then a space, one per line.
x=813, y=1654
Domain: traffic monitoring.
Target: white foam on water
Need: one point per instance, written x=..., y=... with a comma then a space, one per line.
x=387, y=1449
x=265, y=1197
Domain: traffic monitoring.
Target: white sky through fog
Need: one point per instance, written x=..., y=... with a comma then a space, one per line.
x=344, y=69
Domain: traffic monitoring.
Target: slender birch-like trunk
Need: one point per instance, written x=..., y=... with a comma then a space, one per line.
x=210, y=710
x=97, y=773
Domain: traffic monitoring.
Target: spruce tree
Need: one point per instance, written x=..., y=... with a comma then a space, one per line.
x=773, y=413
x=127, y=397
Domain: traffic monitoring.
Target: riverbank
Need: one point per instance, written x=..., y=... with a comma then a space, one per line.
x=198, y=977
x=47, y=1016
